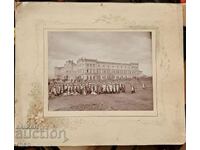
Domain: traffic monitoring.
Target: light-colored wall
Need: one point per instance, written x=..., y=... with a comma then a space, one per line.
x=91, y=69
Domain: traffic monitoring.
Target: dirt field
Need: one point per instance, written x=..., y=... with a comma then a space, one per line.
x=141, y=100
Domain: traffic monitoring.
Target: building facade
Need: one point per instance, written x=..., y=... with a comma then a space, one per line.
x=92, y=69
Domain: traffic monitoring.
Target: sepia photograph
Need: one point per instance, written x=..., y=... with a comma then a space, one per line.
x=100, y=71
x=118, y=73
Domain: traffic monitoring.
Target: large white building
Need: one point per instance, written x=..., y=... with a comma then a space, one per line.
x=92, y=69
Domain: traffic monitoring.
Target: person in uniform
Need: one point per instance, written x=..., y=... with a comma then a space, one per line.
x=71, y=90
x=61, y=89
x=117, y=88
x=143, y=86
x=84, y=90
x=104, y=88
x=54, y=90
x=114, y=88
x=98, y=89
x=123, y=88
x=132, y=89
x=110, y=88
x=65, y=88
x=93, y=90
x=68, y=90
x=81, y=89
x=120, y=87
x=57, y=90
x=107, y=89
x=89, y=89
x=75, y=90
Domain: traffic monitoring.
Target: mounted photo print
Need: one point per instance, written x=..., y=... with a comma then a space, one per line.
x=111, y=71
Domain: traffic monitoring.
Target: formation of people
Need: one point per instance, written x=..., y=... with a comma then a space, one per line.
x=57, y=88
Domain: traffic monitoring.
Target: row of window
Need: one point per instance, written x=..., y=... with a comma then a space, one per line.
x=109, y=66
x=106, y=77
x=103, y=71
x=108, y=71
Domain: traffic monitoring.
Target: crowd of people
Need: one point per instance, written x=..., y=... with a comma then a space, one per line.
x=66, y=88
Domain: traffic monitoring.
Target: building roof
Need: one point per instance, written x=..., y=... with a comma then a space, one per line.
x=106, y=62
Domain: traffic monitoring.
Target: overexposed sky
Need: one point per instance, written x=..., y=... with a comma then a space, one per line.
x=124, y=47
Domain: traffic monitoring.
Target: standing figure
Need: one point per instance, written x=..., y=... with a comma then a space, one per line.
x=143, y=85
x=54, y=90
x=61, y=89
x=84, y=90
x=81, y=89
x=120, y=87
x=132, y=89
x=68, y=90
x=107, y=89
x=57, y=90
x=123, y=88
x=114, y=88
x=117, y=88
x=104, y=88
x=71, y=90
x=65, y=88
x=95, y=88
x=110, y=88
x=93, y=92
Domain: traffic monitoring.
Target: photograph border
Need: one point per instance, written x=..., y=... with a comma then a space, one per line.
x=102, y=113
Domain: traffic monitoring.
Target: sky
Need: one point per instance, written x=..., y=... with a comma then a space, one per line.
x=123, y=47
